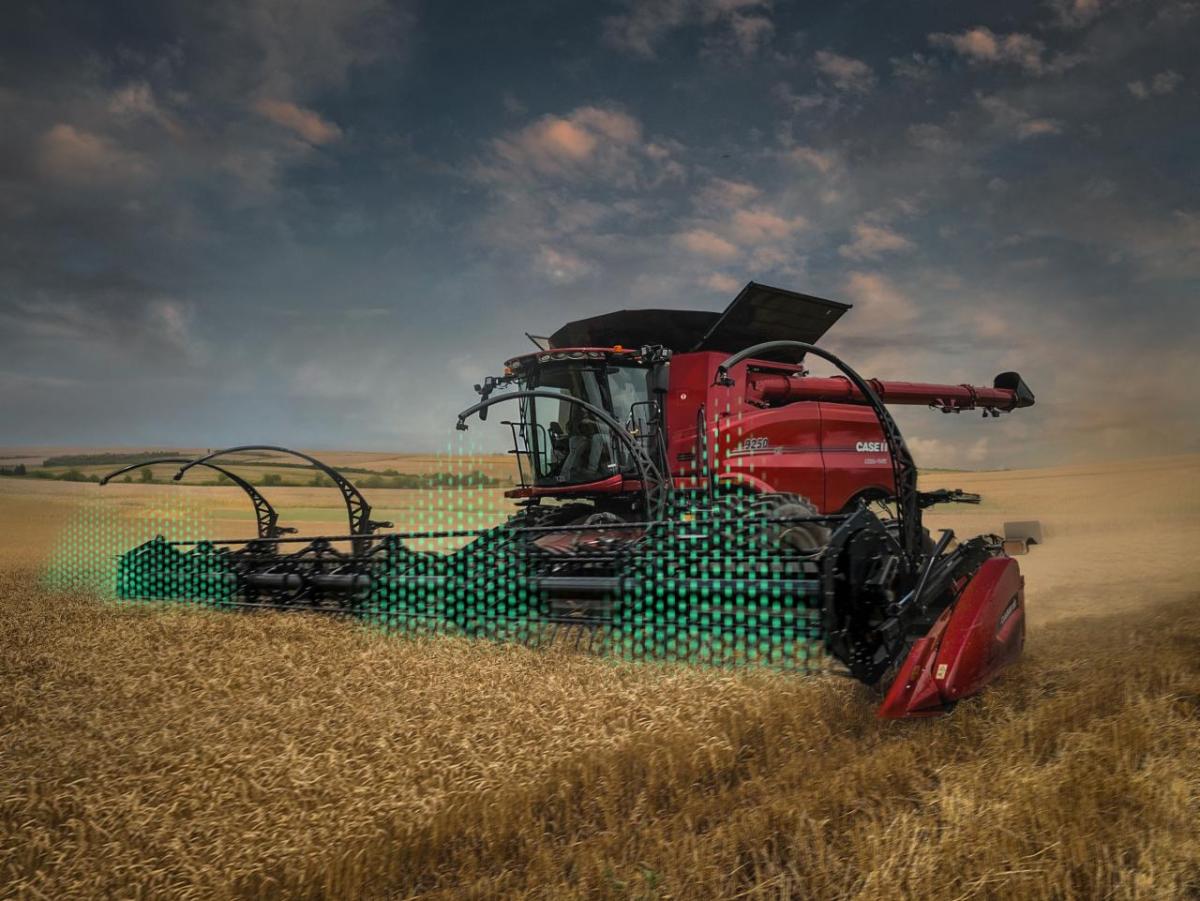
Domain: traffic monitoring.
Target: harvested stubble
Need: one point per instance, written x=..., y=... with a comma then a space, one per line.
x=151, y=752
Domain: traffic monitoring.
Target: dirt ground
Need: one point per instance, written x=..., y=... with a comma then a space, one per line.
x=200, y=755
x=1118, y=536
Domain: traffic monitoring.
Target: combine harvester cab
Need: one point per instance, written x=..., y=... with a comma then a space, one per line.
x=688, y=492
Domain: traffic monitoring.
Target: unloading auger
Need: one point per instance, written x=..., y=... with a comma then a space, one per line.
x=688, y=491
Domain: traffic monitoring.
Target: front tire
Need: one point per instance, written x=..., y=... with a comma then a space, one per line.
x=802, y=537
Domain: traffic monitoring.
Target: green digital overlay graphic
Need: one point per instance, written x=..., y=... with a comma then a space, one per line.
x=712, y=580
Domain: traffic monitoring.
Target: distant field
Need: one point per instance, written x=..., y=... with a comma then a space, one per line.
x=180, y=753
x=257, y=466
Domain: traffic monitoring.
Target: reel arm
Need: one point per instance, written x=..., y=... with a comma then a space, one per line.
x=357, y=508
x=947, y=496
x=264, y=513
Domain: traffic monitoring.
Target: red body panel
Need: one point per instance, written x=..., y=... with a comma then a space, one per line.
x=830, y=453
x=855, y=455
x=778, y=429
x=780, y=447
x=615, y=484
x=689, y=390
x=977, y=636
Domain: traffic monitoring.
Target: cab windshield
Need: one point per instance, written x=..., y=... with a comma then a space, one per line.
x=569, y=444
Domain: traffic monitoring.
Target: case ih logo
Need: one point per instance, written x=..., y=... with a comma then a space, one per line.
x=871, y=447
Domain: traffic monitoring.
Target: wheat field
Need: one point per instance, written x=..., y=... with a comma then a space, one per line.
x=150, y=753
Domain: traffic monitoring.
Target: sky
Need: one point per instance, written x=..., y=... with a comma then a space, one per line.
x=318, y=224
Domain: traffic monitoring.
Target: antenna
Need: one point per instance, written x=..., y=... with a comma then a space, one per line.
x=537, y=339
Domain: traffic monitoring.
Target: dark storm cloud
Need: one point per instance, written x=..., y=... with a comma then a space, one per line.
x=320, y=223
x=140, y=144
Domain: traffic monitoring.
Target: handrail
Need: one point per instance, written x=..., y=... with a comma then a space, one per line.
x=652, y=480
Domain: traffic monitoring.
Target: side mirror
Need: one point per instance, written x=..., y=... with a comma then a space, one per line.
x=659, y=378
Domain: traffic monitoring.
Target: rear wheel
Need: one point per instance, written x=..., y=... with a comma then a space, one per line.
x=803, y=537
x=720, y=584
x=794, y=628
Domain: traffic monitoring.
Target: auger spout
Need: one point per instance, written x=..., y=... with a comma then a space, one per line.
x=773, y=389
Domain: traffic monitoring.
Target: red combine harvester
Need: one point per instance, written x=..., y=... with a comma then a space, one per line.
x=688, y=491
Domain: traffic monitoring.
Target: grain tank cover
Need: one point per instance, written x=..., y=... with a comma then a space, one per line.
x=762, y=313
x=759, y=313
x=675, y=329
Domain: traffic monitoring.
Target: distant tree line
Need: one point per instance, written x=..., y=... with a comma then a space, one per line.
x=388, y=478
x=71, y=475
x=105, y=459
x=427, y=481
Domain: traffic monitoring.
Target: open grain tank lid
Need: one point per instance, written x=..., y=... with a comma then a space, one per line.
x=759, y=313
